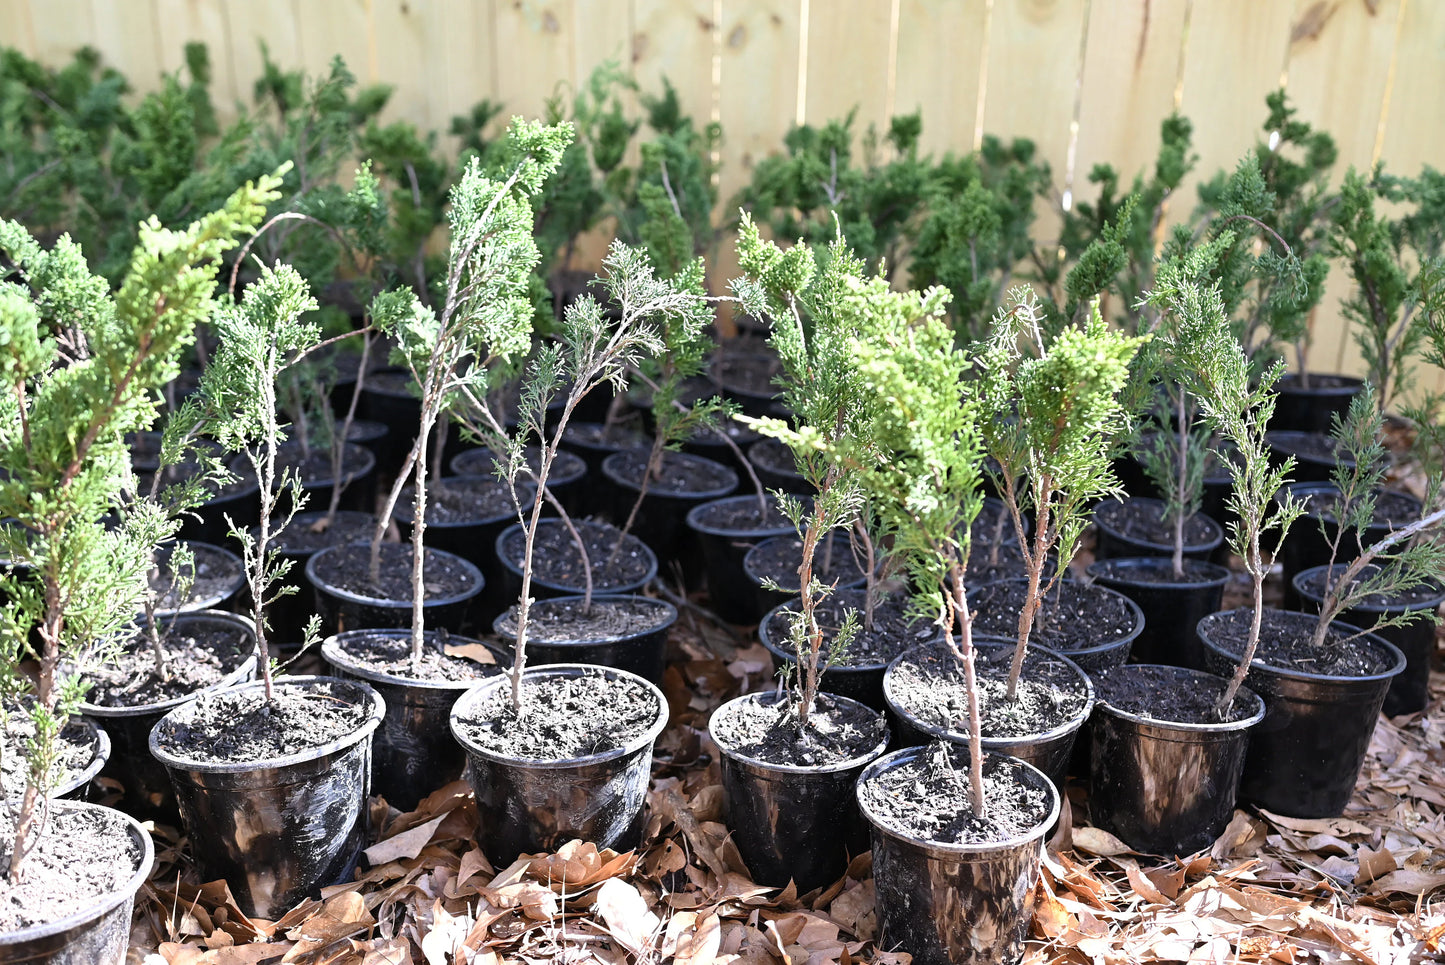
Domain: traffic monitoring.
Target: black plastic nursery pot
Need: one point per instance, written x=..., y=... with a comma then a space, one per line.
x=1310, y=409
x=375, y=436
x=1049, y=751
x=412, y=753
x=622, y=632
x=566, y=481
x=710, y=444
x=798, y=823
x=1306, y=755
x=76, y=785
x=594, y=442
x=279, y=829
x=287, y=615
x=952, y=903
x=1163, y=786
x=997, y=615
x=239, y=501
x=687, y=481
x=510, y=550
x=99, y=933
x=1171, y=606
x=724, y=531
x=1410, y=691
x=358, y=478
x=527, y=805
x=1307, y=544
x=341, y=609
x=747, y=379
x=1315, y=455
x=218, y=580
x=775, y=468
x=1125, y=531
x=147, y=786
x=845, y=572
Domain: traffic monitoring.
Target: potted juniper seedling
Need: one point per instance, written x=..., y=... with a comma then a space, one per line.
x=1167, y=739
x=564, y=751
x=1320, y=704
x=790, y=757
x=82, y=369
x=271, y=777
x=484, y=326
x=1386, y=582
x=956, y=858
x=1051, y=413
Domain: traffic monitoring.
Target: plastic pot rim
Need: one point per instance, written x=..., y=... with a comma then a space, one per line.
x=481, y=690
x=353, y=449
x=376, y=712
x=1316, y=488
x=515, y=568
x=609, y=469
x=756, y=764
x=1222, y=726
x=234, y=586
x=1000, y=744
x=1290, y=383
x=766, y=640
x=97, y=761
x=103, y=904
x=478, y=583
x=1098, y=572
x=1121, y=641
x=695, y=514
x=905, y=754
x=1288, y=673
x=1432, y=603
x=457, y=465
x=1286, y=442
x=333, y=652
x=668, y=611
x=749, y=569
x=402, y=511
x=1209, y=545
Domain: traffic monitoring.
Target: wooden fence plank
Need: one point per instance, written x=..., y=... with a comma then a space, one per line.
x=1033, y=73
x=940, y=56
x=338, y=27
x=468, y=46
x=59, y=28
x=674, y=39
x=253, y=22
x=848, y=56
x=606, y=30
x=180, y=22
x=125, y=35
x=1131, y=70
x=17, y=28
x=409, y=44
x=535, y=56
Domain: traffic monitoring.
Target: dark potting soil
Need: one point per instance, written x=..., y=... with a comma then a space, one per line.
x=894, y=631
x=563, y=717
x=1315, y=446
x=214, y=573
x=390, y=654
x=1161, y=693
x=928, y=798
x=743, y=516
x=82, y=856
x=1143, y=520
x=551, y=621
x=481, y=462
x=443, y=575
x=766, y=729
x=778, y=559
x=455, y=500
x=751, y=374
x=316, y=467
x=393, y=382
x=74, y=751
x=1155, y=570
x=555, y=559
x=230, y=726
x=1074, y=616
x=311, y=533
x=1292, y=381
x=1285, y=642
x=929, y=683
x=1314, y=585
x=1391, y=508
x=244, y=479
x=677, y=474
x=196, y=655
x=741, y=435
x=691, y=391
x=600, y=435
x=774, y=456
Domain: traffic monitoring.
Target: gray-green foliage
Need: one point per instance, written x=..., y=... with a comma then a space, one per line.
x=82, y=368
x=1051, y=414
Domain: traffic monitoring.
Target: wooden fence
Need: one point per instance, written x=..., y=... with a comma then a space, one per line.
x=1088, y=80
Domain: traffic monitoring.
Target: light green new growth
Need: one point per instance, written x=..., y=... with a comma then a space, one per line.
x=1237, y=411
x=485, y=324
x=81, y=369
x=258, y=338
x=1050, y=415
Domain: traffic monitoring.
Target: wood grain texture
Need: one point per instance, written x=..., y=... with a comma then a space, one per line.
x=535, y=53
x=252, y=23
x=940, y=55
x=848, y=58
x=182, y=21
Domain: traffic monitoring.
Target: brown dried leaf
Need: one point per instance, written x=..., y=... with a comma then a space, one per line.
x=407, y=844
x=1100, y=842
x=628, y=918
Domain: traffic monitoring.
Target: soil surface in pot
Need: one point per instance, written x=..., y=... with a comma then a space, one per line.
x=929, y=683
x=1391, y=508
x=214, y=573
x=601, y=435
x=1316, y=446
x=1155, y=570
x=243, y=479
x=392, y=382
x=928, y=798
x=1314, y=584
x=74, y=752
x=893, y=630
x=1074, y=616
x=772, y=455
x=482, y=462
x=196, y=655
x=1285, y=642
x=767, y=730
x=778, y=559
x=678, y=473
x=752, y=374
x=231, y=726
x=550, y=621
x=555, y=559
x=1160, y=693
x=83, y=856
x=311, y=533
x=1143, y=520
x=444, y=576
x=461, y=499
x=741, y=435
x=316, y=467
x=563, y=716
x=391, y=654
x=743, y=515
